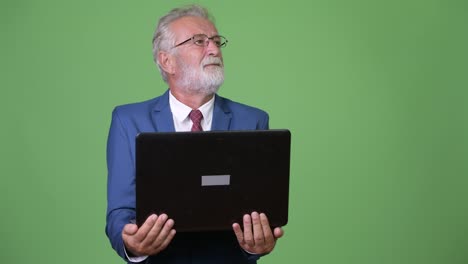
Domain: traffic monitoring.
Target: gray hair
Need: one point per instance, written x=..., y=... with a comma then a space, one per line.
x=163, y=39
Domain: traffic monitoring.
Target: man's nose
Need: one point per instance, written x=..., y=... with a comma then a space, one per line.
x=212, y=49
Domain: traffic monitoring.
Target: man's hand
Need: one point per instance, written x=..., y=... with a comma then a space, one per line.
x=151, y=238
x=257, y=237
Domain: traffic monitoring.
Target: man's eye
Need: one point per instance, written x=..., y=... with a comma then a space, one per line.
x=199, y=42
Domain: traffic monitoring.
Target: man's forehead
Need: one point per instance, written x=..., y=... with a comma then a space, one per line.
x=190, y=25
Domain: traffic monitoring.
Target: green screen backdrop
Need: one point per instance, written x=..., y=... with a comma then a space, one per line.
x=374, y=93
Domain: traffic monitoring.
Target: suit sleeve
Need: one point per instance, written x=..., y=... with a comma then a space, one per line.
x=263, y=123
x=120, y=183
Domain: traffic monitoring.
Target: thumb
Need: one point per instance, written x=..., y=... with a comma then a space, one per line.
x=130, y=229
x=278, y=232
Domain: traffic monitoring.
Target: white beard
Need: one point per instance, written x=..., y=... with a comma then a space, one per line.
x=202, y=80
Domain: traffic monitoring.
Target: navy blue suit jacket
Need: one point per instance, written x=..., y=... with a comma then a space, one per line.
x=155, y=116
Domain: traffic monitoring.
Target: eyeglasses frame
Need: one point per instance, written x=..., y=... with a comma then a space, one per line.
x=208, y=38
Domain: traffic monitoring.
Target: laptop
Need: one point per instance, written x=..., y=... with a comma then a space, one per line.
x=207, y=181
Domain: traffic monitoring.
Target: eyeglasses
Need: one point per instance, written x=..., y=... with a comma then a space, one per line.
x=203, y=40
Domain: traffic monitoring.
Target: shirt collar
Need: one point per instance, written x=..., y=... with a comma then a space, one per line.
x=181, y=111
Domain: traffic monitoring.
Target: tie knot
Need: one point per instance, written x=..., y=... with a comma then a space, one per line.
x=196, y=117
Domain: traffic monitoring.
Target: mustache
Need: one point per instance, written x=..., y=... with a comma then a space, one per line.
x=212, y=60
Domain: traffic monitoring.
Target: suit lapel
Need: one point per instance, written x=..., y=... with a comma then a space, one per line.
x=221, y=115
x=162, y=115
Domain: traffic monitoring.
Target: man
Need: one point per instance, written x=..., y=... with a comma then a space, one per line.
x=187, y=50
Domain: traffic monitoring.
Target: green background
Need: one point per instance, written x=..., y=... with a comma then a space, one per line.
x=374, y=92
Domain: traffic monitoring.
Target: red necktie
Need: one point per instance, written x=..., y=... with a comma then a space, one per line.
x=196, y=117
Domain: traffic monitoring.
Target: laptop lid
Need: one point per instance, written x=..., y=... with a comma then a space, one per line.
x=209, y=180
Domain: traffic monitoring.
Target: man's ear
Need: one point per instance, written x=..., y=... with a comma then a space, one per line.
x=166, y=61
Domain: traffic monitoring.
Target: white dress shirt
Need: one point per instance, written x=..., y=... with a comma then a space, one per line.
x=180, y=114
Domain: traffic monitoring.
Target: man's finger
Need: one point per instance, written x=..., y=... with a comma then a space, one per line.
x=238, y=231
x=278, y=232
x=165, y=231
x=156, y=229
x=248, y=237
x=145, y=228
x=130, y=229
x=269, y=239
x=257, y=229
x=168, y=240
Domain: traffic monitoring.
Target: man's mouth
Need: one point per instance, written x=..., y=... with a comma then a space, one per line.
x=212, y=64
